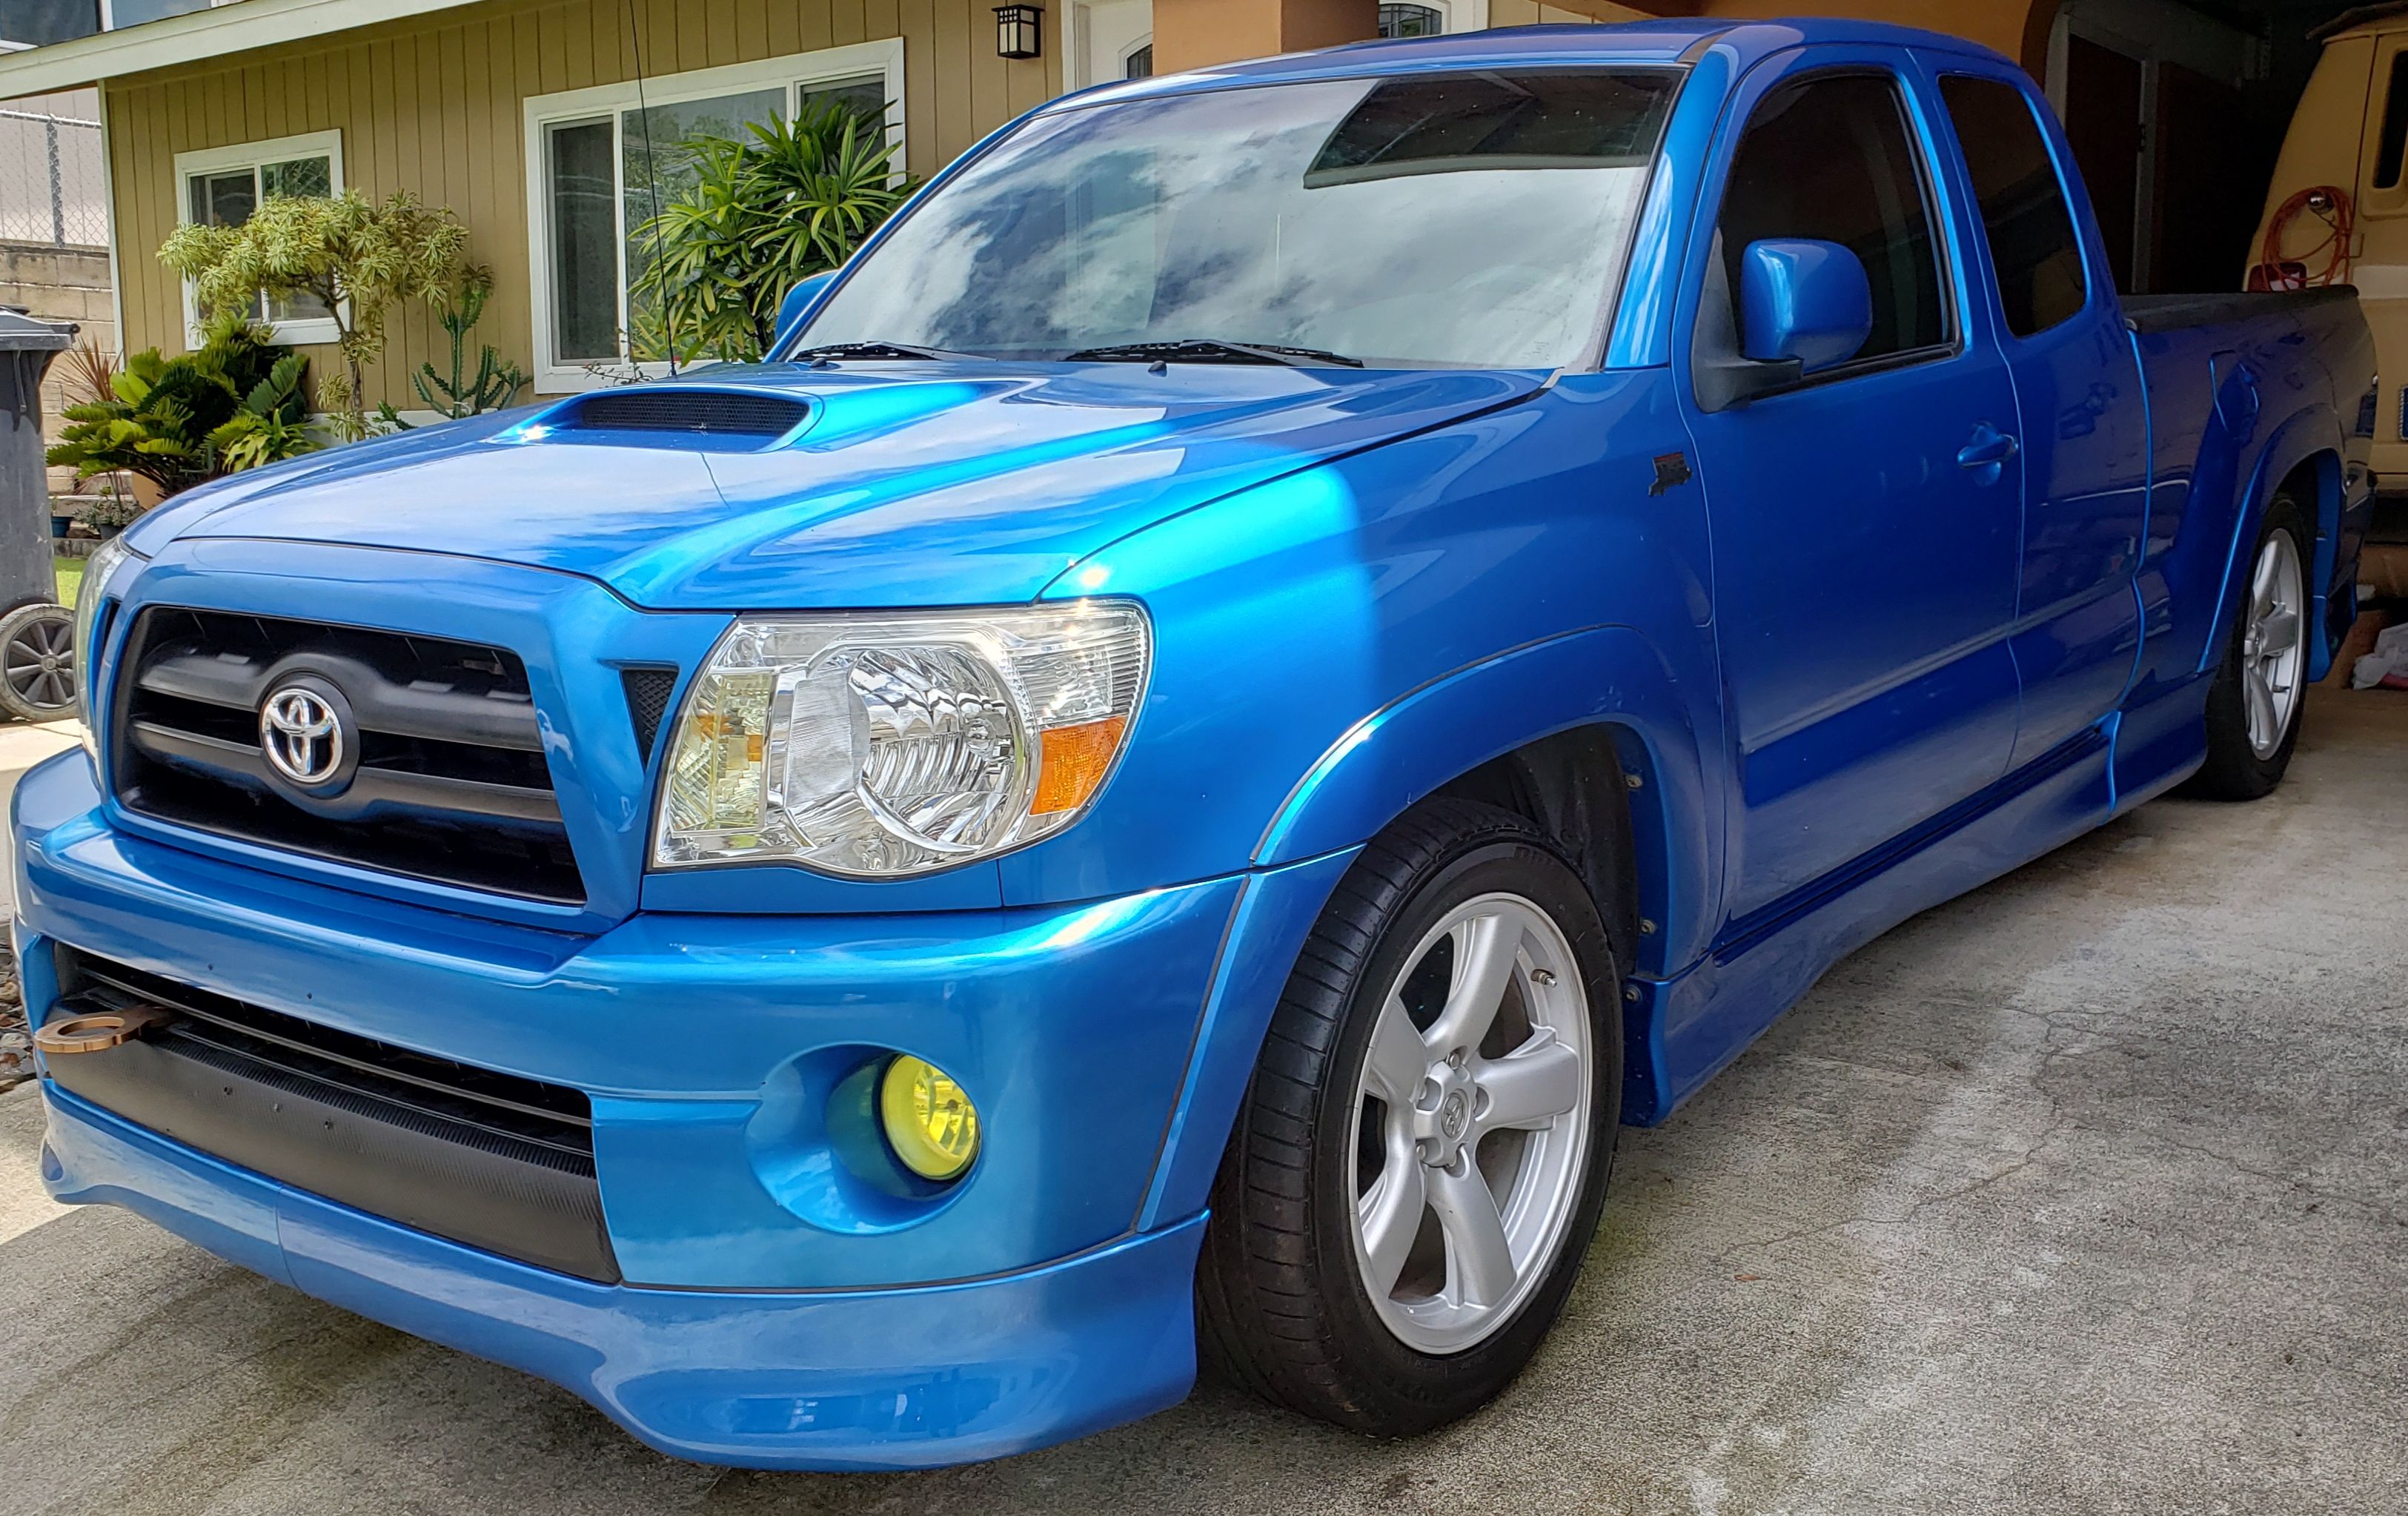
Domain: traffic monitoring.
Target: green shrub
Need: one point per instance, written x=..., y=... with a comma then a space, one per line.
x=353, y=255
x=166, y=418
x=789, y=200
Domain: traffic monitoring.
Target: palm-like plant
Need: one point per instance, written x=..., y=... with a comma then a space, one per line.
x=271, y=425
x=789, y=200
x=161, y=417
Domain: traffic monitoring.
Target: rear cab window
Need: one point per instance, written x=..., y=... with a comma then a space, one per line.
x=2026, y=218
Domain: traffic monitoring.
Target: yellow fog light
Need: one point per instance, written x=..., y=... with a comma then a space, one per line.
x=932, y=1125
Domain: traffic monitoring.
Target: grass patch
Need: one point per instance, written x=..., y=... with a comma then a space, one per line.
x=70, y=573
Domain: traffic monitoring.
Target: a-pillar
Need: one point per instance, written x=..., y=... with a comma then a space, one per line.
x=1196, y=34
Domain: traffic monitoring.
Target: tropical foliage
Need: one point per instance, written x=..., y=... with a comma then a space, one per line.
x=355, y=256
x=177, y=422
x=270, y=425
x=88, y=368
x=787, y=199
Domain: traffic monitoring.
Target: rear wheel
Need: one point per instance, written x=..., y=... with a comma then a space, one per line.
x=1420, y=1160
x=2253, y=707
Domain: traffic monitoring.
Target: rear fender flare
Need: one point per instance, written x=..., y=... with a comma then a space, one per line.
x=2312, y=432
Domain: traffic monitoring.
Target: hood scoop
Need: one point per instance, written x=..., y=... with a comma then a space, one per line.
x=737, y=420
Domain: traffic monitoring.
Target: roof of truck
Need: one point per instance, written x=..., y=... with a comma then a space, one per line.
x=1663, y=41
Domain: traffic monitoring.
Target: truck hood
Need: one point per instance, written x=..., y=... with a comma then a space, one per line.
x=898, y=485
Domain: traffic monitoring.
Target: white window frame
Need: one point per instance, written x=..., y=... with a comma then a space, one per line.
x=317, y=330
x=796, y=72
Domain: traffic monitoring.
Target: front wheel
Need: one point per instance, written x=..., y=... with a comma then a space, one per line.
x=1419, y=1162
x=2255, y=705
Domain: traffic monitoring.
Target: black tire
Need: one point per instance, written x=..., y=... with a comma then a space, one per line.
x=37, y=662
x=1282, y=1306
x=2233, y=770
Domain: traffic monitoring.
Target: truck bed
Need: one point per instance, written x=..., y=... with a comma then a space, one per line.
x=2150, y=313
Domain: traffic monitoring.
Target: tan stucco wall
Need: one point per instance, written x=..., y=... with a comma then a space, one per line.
x=1197, y=34
x=437, y=106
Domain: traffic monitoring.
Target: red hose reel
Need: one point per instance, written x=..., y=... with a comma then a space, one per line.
x=2328, y=261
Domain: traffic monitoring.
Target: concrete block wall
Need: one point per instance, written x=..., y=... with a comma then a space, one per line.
x=60, y=284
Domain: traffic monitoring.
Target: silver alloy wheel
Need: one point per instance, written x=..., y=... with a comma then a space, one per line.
x=2271, y=644
x=38, y=660
x=1471, y=1123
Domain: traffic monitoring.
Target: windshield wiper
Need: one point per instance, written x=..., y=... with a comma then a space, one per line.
x=877, y=350
x=1210, y=350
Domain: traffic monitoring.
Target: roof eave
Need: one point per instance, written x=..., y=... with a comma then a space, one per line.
x=195, y=37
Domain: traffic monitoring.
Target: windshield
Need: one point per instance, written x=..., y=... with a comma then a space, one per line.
x=1471, y=218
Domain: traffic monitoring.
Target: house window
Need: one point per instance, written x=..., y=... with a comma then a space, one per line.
x=124, y=13
x=1411, y=20
x=223, y=186
x=1139, y=62
x=602, y=161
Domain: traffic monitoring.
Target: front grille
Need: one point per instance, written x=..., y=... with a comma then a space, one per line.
x=493, y=1160
x=451, y=783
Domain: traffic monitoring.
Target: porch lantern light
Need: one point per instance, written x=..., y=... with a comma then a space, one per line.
x=1016, y=31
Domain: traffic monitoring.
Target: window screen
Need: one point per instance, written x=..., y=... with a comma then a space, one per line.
x=584, y=244
x=2024, y=212
x=1829, y=158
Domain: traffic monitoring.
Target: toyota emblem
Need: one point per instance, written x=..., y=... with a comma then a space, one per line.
x=302, y=735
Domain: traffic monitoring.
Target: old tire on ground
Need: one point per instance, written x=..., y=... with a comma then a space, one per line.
x=1435, y=1111
x=37, y=662
x=2259, y=699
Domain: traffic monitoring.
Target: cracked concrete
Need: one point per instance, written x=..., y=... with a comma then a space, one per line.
x=2083, y=1194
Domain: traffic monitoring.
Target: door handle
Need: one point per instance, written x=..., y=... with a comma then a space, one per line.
x=1989, y=448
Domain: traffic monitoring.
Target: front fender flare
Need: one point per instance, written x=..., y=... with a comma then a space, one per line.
x=1609, y=676
x=1401, y=754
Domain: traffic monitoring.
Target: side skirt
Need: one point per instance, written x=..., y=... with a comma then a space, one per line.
x=1683, y=1031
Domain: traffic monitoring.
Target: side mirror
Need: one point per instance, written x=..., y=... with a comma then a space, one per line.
x=1807, y=306
x=798, y=305
x=1803, y=301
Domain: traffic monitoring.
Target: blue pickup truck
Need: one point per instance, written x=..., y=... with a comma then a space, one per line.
x=1285, y=649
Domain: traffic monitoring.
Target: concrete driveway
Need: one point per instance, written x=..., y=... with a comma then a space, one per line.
x=2083, y=1194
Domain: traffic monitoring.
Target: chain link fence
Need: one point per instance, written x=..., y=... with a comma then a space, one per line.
x=52, y=190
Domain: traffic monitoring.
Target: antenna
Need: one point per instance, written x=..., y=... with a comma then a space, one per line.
x=652, y=186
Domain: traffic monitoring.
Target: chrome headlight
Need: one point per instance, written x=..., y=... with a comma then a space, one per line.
x=97, y=569
x=880, y=745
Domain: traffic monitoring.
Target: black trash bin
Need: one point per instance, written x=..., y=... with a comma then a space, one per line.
x=36, y=634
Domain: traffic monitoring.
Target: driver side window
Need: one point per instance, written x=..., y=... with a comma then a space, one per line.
x=1830, y=157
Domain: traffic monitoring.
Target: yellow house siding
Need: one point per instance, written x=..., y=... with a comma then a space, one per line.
x=436, y=107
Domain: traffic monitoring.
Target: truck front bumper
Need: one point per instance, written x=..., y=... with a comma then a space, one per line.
x=842, y=1380
x=774, y=1312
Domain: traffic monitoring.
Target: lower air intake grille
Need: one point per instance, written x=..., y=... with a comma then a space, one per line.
x=442, y=775
x=648, y=702
x=490, y=1160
